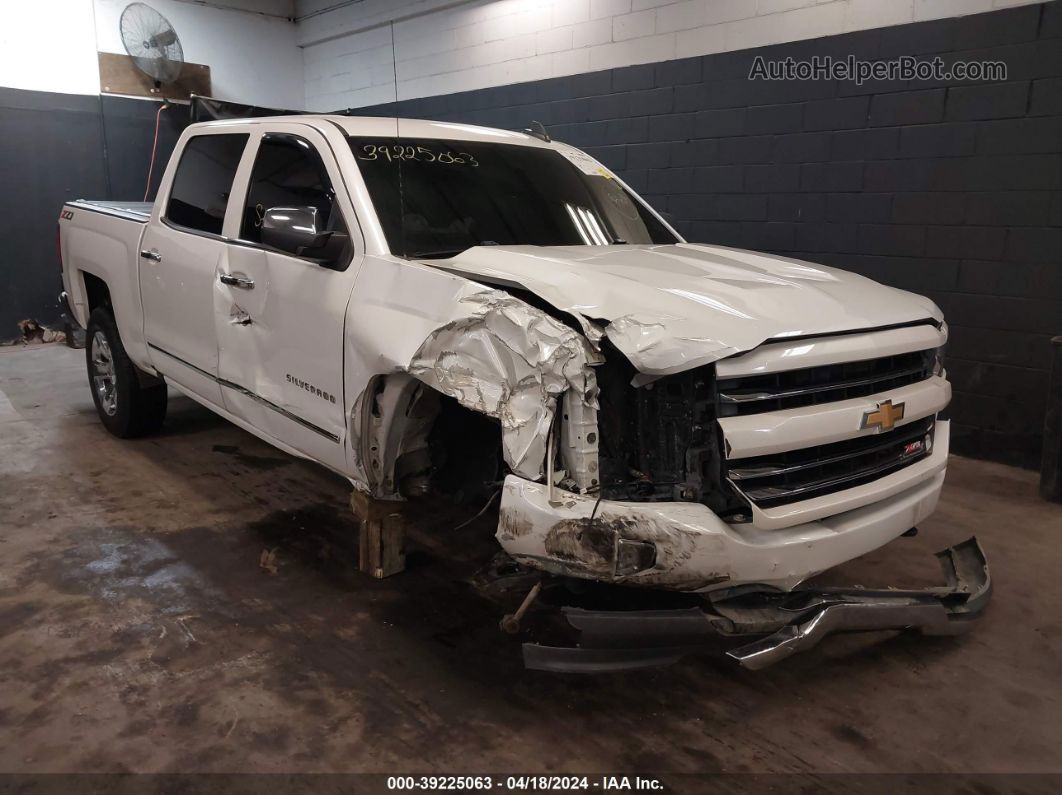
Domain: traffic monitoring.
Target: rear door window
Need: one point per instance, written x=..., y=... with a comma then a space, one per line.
x=203, y=182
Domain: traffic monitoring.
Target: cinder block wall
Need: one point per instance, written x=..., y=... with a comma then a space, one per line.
x=354, y=53
x=953, y=190
x=55, y=148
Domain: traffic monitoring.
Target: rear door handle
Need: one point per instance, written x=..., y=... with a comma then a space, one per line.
x=154, y=256
x=237, y=281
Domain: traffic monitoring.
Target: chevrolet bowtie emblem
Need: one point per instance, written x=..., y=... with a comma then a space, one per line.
x=885, y=416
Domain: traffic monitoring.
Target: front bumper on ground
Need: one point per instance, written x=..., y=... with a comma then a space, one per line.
x=792, y=621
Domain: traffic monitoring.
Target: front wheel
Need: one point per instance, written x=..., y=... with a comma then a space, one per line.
x=126, y=408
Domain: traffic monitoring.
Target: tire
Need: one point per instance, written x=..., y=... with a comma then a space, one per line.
x=126, y=408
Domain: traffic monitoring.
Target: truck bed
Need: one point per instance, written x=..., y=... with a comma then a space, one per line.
x=133, y=211
x=102, y=239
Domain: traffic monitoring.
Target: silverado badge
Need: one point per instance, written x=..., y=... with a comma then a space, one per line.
x=884, y=417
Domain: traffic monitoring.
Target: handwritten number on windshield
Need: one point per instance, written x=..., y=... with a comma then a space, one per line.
x=420, y=154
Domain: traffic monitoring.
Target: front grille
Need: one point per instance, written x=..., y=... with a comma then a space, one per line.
x=753, y=394
x=781, y=478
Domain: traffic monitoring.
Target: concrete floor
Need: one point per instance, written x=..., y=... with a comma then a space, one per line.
x=138, y=631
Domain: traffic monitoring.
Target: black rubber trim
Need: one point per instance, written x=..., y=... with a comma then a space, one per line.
x=926, y=321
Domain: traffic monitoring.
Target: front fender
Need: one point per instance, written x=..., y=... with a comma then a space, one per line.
x=492, y=352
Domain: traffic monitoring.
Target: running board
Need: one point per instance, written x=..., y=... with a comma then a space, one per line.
x=792, y=621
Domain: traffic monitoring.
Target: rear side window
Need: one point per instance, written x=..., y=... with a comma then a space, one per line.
x=203, y=182
x=288, y=172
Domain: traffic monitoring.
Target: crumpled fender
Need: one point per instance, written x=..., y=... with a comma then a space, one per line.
x=508, y=360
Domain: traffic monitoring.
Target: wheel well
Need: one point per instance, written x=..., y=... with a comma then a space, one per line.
x=415, y=439
x=96, y=292
x=97, y=295
x=466, y=452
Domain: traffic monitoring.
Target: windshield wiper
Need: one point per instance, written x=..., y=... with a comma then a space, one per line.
x=442, y=253
x=446, y=253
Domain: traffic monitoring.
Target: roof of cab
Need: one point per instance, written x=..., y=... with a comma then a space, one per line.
x=391, y=127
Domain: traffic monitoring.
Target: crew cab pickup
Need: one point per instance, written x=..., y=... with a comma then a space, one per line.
x=423, y=305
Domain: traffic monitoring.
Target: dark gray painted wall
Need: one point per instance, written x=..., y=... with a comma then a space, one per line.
x=951, y=190
x=58, y=147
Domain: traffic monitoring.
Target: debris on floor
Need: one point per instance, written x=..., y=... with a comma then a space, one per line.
x=322, y=669
x=267, y=561
x=31, y=332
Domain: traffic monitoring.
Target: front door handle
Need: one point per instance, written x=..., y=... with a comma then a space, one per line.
x=154, y=256
x=237, y=281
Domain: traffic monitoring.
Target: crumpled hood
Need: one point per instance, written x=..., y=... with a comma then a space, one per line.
x=670, y=308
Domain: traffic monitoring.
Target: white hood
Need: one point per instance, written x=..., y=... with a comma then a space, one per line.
x=670, y=308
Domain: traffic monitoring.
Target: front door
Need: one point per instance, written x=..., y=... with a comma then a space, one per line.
x=181, y=251
x=279, y=316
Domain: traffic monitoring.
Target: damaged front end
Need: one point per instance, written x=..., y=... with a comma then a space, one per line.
x=614, y=464
x=499, y=358
x=789, y=621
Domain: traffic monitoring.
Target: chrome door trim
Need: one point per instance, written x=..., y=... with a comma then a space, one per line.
x=244, y=391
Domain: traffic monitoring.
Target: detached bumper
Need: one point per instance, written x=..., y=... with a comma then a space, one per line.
x=793, y=621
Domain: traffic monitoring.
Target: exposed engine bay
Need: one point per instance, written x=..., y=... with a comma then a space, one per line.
x=660, y=441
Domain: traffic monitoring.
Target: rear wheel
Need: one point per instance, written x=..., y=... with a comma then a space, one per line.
x=126, y=408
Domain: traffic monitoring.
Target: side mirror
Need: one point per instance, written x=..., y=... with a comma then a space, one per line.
x=294, y=229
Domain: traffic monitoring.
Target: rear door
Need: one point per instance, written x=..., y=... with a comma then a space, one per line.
x=280, y=317
x=182, y=249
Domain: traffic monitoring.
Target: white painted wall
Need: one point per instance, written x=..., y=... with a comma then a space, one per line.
x=253, y=58
x=445, y=46
x=49, y=45
x=252, y=53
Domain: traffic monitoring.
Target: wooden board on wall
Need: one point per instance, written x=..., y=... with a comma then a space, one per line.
x=119, y=75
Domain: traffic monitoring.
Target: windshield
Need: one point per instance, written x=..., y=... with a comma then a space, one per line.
x=436, y=198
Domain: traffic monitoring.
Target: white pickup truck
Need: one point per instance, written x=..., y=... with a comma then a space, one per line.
x=423, y=305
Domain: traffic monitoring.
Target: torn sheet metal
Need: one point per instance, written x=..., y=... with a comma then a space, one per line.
x=510, y=361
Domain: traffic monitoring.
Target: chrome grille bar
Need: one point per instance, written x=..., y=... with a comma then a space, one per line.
x=781, y=478
x=761, y=392
x=745, y=474
x=746, y=397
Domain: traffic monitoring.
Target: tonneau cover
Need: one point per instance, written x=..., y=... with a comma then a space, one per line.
x=134, y=211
